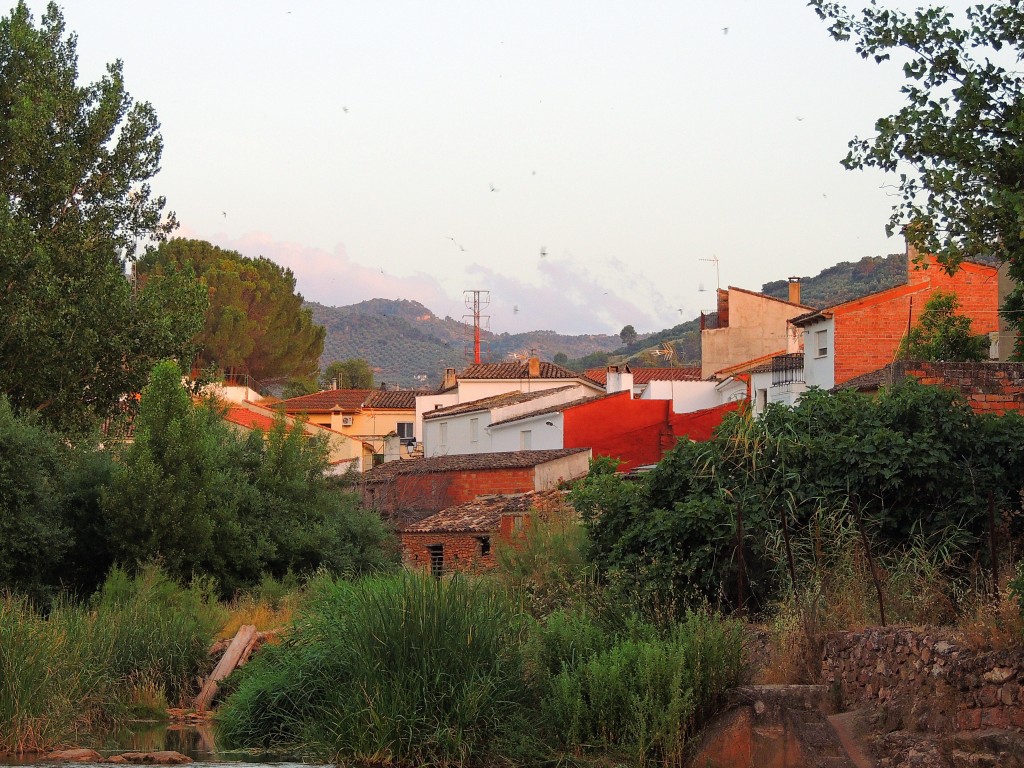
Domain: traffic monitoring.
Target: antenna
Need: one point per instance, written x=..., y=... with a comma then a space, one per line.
x=477, y=300
x=714, y=260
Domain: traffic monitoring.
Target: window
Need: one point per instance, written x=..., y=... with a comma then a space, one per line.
x=762, y=399
x=821, y=343
x=525, y=440
x=444, y=433
x=474, y=430
x=436, y=553
x=405, y=435
x=485, y=545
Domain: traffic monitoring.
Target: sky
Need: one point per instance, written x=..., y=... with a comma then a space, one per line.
x=590, y=164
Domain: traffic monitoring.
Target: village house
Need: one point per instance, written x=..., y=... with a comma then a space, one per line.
x=407, y=491
x=382, y=420
x=747, y=325
x=484, y=380
x=465, y=537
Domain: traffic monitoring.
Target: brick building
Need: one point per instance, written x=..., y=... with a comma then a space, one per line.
x=407, y=491
x=863, y=335
x=988, y=387
x=463, y=537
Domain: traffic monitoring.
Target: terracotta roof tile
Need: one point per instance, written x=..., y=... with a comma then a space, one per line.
x=483, y=515
x=328, y=400
x=517, y=370
x=246, y=418
x=494, y=401
x=647, y=375
x=401, y=399
x=467, y=462
x=866, y=382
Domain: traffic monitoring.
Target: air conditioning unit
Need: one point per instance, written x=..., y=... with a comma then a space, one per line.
x=346, y=421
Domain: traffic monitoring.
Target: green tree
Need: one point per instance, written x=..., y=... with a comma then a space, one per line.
x=353, y=373
x=957, y=143
x=560, y=358
x=255, y=323
x=75, y=164
x=942, y=334
x=628, y=335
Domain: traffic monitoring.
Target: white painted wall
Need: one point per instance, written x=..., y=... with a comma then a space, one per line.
x=820, y=371
x=425, y=403
x=459, y=429
x=686, y=396
x=543, y=436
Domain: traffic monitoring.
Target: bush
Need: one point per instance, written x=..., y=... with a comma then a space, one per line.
x=403, y=669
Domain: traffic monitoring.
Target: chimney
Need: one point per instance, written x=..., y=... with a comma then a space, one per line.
x=534, y=368
x=618, y=378
x=450, y=379
x=794, y=290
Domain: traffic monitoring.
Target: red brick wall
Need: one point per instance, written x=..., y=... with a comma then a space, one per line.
x=461, y=550
x=414, y=496
x=868, y=331
x=989, y=387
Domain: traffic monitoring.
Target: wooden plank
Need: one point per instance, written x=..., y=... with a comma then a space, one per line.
x=242, y=641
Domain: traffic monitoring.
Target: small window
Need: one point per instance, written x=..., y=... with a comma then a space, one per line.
x=762, y=399
x=821, y=343
x=405, y=433
x=485, y=545
x=525, y=440
x=444, y=433
x=436, y=553
x=474, y=430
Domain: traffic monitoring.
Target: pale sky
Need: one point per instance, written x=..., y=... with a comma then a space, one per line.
x=417, y=149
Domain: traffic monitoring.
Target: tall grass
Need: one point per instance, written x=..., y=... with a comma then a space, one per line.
x=640, y=691
x=400, y=669
x=143, y=639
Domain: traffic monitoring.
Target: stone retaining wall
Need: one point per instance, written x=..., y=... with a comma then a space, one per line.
x=934, y=682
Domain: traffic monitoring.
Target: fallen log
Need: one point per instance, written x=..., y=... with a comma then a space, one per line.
x=240, y=647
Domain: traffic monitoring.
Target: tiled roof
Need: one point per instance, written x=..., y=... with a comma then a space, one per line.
x=401, y=399
x=647, y=375
x=866, y=382
x=483, y=515
x=328, y=400
x=747, y=366
x=557, y=408
x=494, y=401
x=467, y=462
x=246, y=418
x=517, y=370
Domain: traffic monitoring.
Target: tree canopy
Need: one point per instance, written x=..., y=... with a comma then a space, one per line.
x=958, y=143
x=354, y=373
x=942, y=334
x=75, y=200
x=628, y=334
x=255, y=323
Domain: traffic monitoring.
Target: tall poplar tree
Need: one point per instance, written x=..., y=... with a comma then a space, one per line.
x=75, y=165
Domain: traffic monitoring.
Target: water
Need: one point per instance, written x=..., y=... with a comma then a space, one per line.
x=198, y=741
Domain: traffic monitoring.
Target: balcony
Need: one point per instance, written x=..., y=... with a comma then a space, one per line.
x=787, y=369
x=712, y=320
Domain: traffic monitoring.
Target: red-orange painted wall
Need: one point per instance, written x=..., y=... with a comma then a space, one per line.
x=868, y=332
x=629, y=430
x=699, y=425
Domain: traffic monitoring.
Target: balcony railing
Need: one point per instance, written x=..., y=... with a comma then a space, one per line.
x=787, y=369
x=711, y=320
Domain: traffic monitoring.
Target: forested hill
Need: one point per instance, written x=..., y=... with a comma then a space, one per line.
x=846, y=280
x=410, y=346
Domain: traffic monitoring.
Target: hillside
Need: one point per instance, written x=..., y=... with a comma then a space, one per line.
x=410, y=346
x=834, y=285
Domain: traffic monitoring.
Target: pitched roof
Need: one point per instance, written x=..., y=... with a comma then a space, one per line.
x=647, y=375
x=558, y=407
x=766, y=296
x=468, y=462
x=866, y=382
x=328, y=400
x=243, y=417
x=748, y=366
x=494, y=401
x=397, y=399
x=517, y=370
x=483, y=515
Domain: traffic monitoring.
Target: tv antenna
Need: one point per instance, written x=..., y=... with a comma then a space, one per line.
x=714, y=260
x=477, y=300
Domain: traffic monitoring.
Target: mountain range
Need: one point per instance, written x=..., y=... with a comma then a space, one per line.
x=409, y=346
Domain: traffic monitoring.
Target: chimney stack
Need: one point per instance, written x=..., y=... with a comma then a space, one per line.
x=450, y=379
x=618, y=379
x=794, y=290
x=534, y=368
